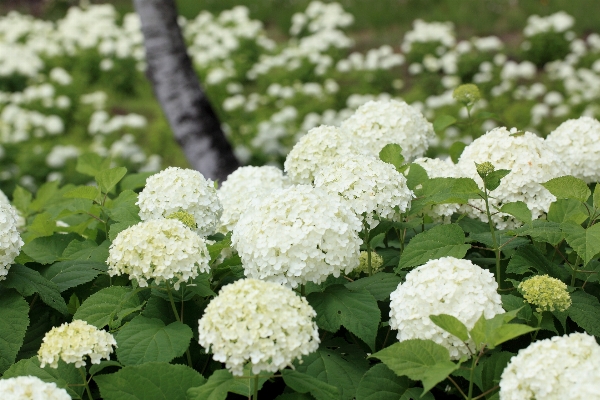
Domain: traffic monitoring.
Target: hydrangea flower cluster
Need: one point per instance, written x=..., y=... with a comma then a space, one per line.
x=317, y=148
x=377, y=123
x=577, y=142
x=559, y=368
x=31, y=388
x=259, y=322
x=545, y=292
x=531, y=162
x=371, y=187
x=438, y=168
x=296, y=235
x=10, y=240
x=363, y=266
x=176, y=189
x=444, y=286
x=161, y=249
x=73, y=342
x=243, y=186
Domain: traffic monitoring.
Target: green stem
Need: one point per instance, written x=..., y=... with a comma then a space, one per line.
x=470, y=121
x=255, y=396
x=495, y=242
x=178, y=317
x=575, y=270
x=85, y=382
x=473, y=364
x=368, y=243
x=303, y=290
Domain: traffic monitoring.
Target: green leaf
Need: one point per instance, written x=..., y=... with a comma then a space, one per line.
x=245, y=387
x=116, y=228
x=495, y=331
x=65, y=376
x=44, y=194
x=48, y=249
x=108, y=306
x=568, y=187
x=42, y=225
x=83, y=192
x=91, y=163
x=492, y=180
x=585, y=312
x=439, y=241
x=442, y=122
x=563, y=210
x=135, y=181
x=452, y=325
x=456, y=150
x=493, y=368
x=148, y=339
x=422, y=360
x=415, y=176
x=391, y=153
x=527, y=257
x=22, y=199
x=595, y=199
x=14, y=320
x=586, y=242
x=518, y=209
x=342, y=367
x=379, y=285
x=95, y=368
x=216, y=388
x=68, y=274
x=356, y=310
x=304, y=383
x=511, y=302
x=28, y=281
x=108, y=178
x=123, y=208
x=380, y=383
x=542, y=231
x=150, y=381
x=444, y=191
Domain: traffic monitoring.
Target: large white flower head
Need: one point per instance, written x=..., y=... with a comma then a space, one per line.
x=438, y=168
x=257, y=322
x=531, y=163
x=245, y=185
x=577, y=142
x=317, y=148
x=176, y=189
x=447, y=285
x=160, y=249
x=559, y=368
x=296, y=235
x=371, y=187
x=73, y=342
x=31, y=388
x=377, y=123
x=10, y=240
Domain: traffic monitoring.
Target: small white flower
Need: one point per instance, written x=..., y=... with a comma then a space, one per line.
x=10, y=239
x=73, y=342
x=31, y=388
x=261, y=323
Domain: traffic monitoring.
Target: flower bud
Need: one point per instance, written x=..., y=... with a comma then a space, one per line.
x=467, y=94
x=485, y=168
x=545, y=292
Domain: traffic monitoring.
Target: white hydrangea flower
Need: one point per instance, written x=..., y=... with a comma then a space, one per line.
x=559, y=368
x=531, y=163
x=73, y=342
x=263, y=323
x=160, y=249
x=31, y=388
x=577, y=142
x=370, y=186
x=438, y=168
x=10, y=239
x=176, y=189
x=447, y=285
x=315, y=149
x=377, y=123
x=242, y=187
x=296, y=235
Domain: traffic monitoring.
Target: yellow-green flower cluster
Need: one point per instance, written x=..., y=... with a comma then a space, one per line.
x=376, y=263
x=467, y=94
x=485, y=168
x=185, y=217
x=545, y=292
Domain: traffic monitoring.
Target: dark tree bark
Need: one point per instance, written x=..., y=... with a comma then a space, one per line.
x=191, y=117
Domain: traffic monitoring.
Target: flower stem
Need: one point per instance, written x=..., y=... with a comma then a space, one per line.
x=172, y=301
x=473, y=364
x=368, y=244
x=255, y=396
x=85, y=382
x=495, y=242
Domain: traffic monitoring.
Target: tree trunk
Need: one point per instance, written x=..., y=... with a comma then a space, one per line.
x=191, y=117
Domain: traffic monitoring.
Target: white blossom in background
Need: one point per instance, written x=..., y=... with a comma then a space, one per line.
x=242, y=187
x=31, y=388
x=60, y=154
x=378, y=123
x=296, y=235
x=320, y=146
x=557, y=22
x=10, y=239
x=423, y=32
x=558, y=368
x=176, y=189
x=371, y=187
x=261, y=323
x=577, y=142
x=444, y=286
x=159, y=249
x=438, y=168
x=73, y=342
x=531, y=162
